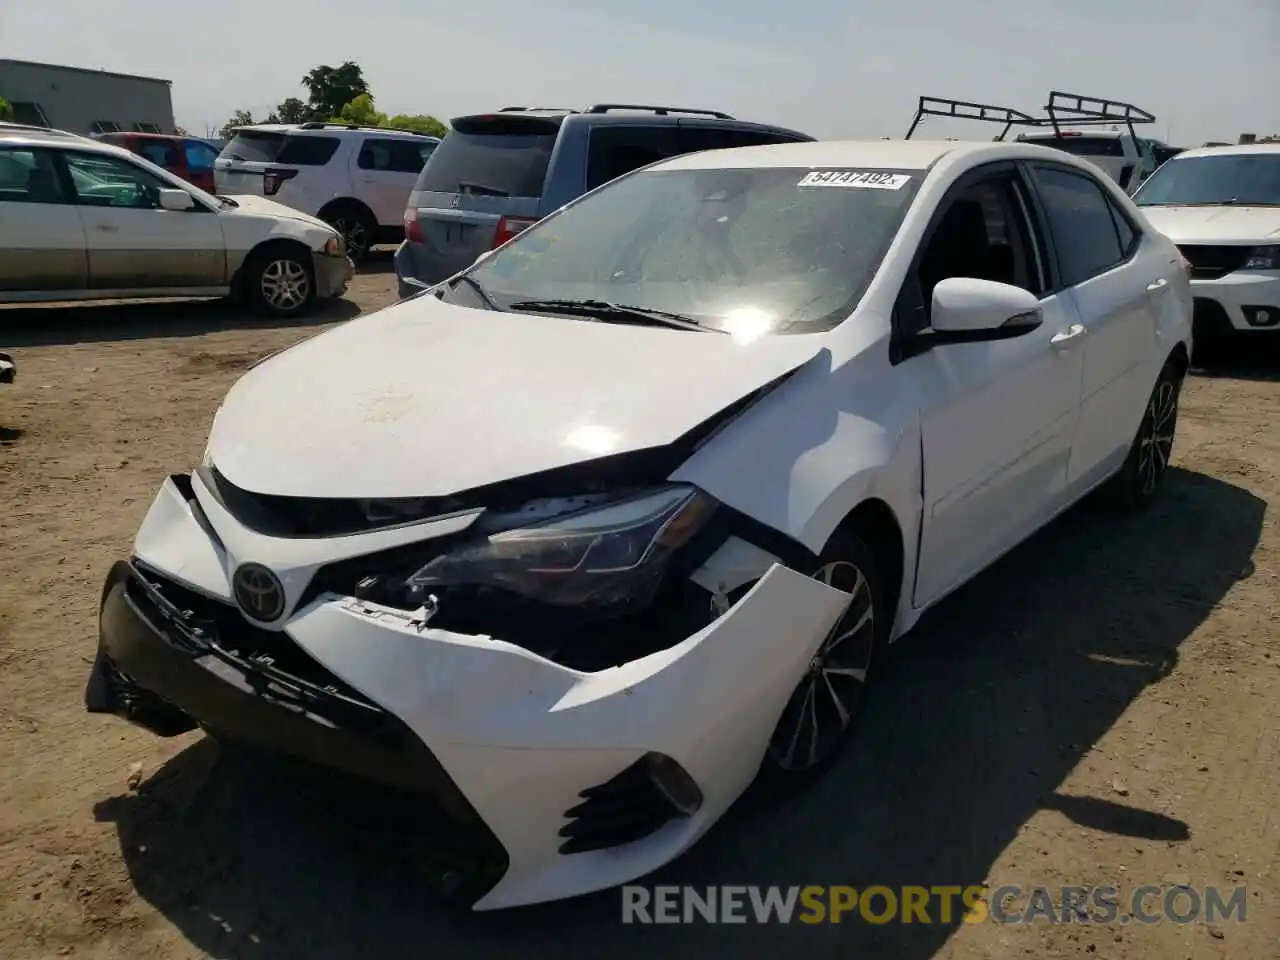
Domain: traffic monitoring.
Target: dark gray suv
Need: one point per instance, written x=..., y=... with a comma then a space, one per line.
x=497, y=173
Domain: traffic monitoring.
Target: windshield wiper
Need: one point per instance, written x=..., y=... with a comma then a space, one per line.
x=226, y=201
x=608, y=311
x=478, y=290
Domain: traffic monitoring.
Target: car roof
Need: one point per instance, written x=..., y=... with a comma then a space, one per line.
x=330, y=130
x=1239, y=150
x=871, y=155
x=42, y=137
x=629, y=115
x=1052, y=135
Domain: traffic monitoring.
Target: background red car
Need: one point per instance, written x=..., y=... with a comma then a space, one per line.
x=187, y=157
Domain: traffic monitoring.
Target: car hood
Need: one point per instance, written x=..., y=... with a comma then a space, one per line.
x=1226, y=224
x=429, y=399
x=251, y=206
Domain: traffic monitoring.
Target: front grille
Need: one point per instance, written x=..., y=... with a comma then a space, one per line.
x=215, y=622
x=1212, y=262
x=627, y=808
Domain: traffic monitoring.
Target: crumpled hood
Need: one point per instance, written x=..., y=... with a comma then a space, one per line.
x=250, y=205
x=1229, y=224
x=430, y=399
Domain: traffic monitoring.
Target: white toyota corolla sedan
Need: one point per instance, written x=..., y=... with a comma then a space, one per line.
x=587, y=540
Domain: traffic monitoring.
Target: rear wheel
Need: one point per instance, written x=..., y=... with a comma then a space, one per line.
x=357, y=227
x=821, y=714
x=1142, y=475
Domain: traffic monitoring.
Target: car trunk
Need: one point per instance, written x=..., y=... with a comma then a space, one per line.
x=483, y=182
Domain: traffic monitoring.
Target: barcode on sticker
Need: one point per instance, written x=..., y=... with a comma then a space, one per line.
x=864, y=180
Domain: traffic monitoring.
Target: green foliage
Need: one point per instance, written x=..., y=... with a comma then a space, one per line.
x=6, y=111
x=292, y=110
x=241, y=118
x=332, y=88
x=418, y=123
x=360, y=111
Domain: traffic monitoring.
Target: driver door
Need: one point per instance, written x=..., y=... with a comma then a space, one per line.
x=133, y=243
x=997, y=419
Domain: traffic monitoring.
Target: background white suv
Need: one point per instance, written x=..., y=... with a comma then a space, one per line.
x=357, y=179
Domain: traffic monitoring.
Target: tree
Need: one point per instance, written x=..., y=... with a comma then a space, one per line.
x=360, y=111
x=6, y=111
x=241, y=118
x=332, y=88
x=418, y=123
x=292, y=110
x=180, y=131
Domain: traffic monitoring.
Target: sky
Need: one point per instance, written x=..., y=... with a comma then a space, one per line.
x=831, y=68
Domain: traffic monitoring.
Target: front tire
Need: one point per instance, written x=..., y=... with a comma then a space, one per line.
x=1142, y=476
x=821, y=715
x=281, y=282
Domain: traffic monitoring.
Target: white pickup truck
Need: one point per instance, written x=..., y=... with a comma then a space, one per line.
x=1128, y=160
x=1099, y=130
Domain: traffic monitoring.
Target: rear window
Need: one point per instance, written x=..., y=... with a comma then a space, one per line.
x=258, y=146
x=1083, y=146
x=503, y=157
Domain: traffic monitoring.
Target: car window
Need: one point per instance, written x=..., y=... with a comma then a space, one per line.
x=200, y=156
x=694, y=138
x=767, y=250
x=392, y=156
x=160, y=153
x=30, y=176
x=1128, y=233
x=1243, y=179
x=267, y=146
x=982, y=233
x=615, y=150
x=1084, y=229
x=1082, y=146
x=102, y=181
x=491, y=156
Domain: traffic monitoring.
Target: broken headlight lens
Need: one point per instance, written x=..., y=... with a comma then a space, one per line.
x=610, y=554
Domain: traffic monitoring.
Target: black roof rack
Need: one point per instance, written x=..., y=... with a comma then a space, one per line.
x=660, y=111
x=337, y=125
x=968, y=110
x=528, y=109
x=1092, y=111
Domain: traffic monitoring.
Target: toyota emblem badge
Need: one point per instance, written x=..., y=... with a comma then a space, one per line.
x=258, y=591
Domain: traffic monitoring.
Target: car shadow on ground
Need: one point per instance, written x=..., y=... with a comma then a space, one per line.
x=973, y=726
x=1251, y=357
x=63, y=325
x=380, y=260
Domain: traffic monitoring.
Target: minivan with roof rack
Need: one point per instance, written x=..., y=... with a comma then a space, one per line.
x=497, y=173
x=355, y=178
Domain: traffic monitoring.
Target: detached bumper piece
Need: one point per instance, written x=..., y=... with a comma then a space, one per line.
x=636, y=803
x=170, y=660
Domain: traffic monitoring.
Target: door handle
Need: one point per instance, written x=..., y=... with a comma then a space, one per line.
x=1066, y=336
x=1155, y=286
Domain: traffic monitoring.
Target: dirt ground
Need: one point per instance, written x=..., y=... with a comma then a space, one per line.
x=1099, y=708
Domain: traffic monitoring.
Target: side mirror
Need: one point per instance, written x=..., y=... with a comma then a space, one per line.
x=176, y=200
x=967, y=310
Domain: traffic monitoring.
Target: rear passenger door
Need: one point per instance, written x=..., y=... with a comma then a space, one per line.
x=386, y=170
x=1114, y=279
x=42, y=241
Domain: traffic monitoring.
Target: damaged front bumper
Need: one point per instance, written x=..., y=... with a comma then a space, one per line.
x=565, y=781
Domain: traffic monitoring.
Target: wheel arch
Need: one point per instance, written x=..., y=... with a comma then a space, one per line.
x=336, y=206
x=257, y=251
x=1180, y=358
x=875, y=523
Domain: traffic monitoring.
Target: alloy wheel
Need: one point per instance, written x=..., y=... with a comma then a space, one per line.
x=823, y=704
x=285, y=285
x=354, y=235
x=1155, y=444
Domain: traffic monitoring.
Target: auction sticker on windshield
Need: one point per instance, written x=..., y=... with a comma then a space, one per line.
x=864, y=180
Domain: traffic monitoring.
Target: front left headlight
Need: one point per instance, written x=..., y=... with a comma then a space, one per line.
x=335, y=247
x=595, y=558
x=1263, y=258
